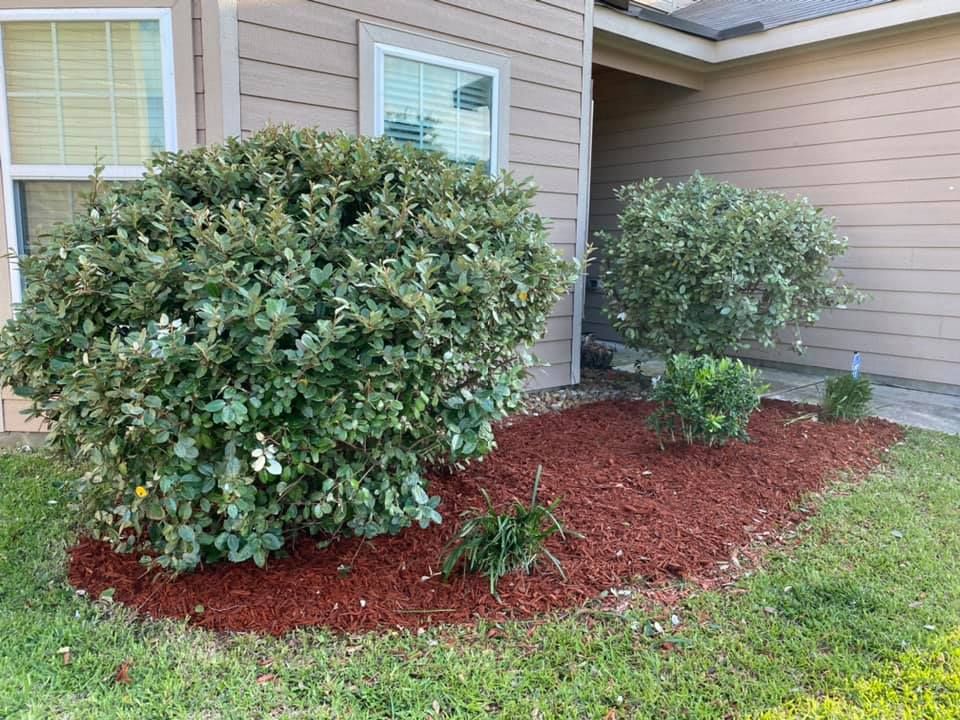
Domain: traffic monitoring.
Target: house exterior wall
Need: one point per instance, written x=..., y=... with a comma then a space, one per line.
x=240, y=64
x=188, y=71
x=869, y=130
x=300, y=63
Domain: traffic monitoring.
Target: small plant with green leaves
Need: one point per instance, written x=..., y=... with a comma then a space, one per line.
x=705, y=400
x=846, y=397
x=495, y=543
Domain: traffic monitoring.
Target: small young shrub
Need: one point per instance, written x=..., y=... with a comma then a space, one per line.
x=707, y=267
x=493, y=543
x=705, y=400
x=275, y=335
x=846, y=398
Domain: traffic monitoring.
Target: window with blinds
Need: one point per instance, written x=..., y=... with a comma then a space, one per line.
x=83, y=92
x=438, y=106
x=78, y=92
x=41, y=204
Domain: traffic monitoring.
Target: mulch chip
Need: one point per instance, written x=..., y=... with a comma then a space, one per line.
x=645, y=514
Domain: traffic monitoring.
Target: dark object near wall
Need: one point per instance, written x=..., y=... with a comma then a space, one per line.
x=595, y=355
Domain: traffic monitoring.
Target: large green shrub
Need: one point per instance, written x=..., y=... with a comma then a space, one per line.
x=278, y=335
x=707, y=267
x=705, y=399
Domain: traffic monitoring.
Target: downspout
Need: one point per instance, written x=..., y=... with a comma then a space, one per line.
x=583, y=189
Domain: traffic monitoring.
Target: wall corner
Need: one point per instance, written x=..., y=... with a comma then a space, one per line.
x=583, y=188
x=221, y=69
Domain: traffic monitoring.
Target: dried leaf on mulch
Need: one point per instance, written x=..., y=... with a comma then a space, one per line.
x=122, y=674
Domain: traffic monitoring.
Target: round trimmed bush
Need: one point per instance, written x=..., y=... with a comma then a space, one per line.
x=708, y=267
x=277, y=335
x=705, y=400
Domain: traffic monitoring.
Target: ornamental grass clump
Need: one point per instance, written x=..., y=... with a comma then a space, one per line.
x=846, y=397
x=494, y=543
x=707, y=267
x=705, y=400
x=277, y=335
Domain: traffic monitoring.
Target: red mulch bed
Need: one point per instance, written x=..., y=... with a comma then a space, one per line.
x=643, y=512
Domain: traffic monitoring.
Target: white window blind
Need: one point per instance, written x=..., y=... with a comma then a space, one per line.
x=439, y=107
x=41, y=204
x=81, y=87
x=83, y=92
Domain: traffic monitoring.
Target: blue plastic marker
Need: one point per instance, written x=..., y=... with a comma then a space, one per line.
x=855, y=366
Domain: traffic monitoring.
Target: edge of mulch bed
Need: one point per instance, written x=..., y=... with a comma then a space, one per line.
x=648, y=514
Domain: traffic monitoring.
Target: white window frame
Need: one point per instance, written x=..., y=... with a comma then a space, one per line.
x=381, y=50
x=376, y=41
x=12, y=172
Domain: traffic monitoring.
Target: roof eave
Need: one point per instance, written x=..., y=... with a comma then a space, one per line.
x=831, y=27
x=659, y=36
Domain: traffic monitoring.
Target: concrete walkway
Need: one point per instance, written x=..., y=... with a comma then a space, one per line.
x=932, y=411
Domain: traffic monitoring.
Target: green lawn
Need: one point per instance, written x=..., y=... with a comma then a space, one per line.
x=859, y=620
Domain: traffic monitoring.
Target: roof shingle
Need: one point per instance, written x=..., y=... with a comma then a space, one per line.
x=722, y=14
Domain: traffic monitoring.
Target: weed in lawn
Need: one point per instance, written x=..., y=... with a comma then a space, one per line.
x=917, y=685
x=494, y=543
x=846, y=397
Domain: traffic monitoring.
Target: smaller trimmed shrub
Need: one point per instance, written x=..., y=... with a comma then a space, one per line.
x=705, y=400
x=493, y=543
x=846, y=398
x=704, y=266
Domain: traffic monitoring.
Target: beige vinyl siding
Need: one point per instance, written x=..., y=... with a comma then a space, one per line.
x=299, y=64
x=867, y=129
x=15, y=418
